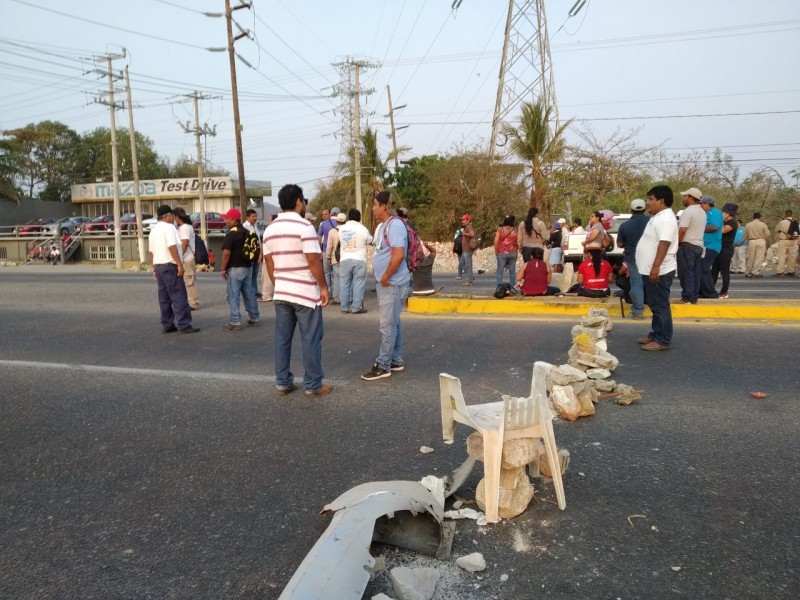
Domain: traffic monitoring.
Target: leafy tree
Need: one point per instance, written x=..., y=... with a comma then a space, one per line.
x=413, y=183
x=47, y=155
x=539, y=146
x=186, y=166
x=95, y=157
x=9, y=167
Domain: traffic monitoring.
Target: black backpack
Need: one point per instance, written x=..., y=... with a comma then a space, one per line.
x=250, y=247
x=200, y=251
x=794, y=228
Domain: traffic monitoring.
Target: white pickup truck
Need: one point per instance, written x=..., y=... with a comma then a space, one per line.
x=572, y=244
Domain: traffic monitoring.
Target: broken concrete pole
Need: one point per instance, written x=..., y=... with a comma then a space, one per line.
x=598, y=373
x=513, y=502
x=472, y=562
x=563, y=461
x=516, y=453
x=565, y=402
x=414, y=584
x=566, y=374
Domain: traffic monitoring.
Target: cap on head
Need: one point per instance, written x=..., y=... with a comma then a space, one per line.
x=233, y=213
x=335, y=211
x=341, y=217
x=693, y=192
x=707, y=200
x=638, y=205
x=562, y=221
x=731, y=209
x=163, y=211
x=466, y=218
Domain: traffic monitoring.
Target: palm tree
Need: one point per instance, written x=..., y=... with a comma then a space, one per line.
x=535, y=143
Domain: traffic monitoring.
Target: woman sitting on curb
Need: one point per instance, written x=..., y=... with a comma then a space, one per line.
x=533, y=280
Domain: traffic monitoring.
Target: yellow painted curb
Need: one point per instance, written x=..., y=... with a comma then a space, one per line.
x=722, y=309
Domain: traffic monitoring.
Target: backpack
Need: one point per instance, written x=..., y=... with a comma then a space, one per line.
x=337, y=252
x=794, y=228
x=475, y=242
x=413, y=252
x=457, y=248
x=200, y=251
x=250, y=247
x=503, y=290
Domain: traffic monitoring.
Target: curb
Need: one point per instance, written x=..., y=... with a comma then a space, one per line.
x=757, y=310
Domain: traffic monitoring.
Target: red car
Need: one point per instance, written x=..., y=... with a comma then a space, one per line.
x=214, y=220
x=34, y=227
x=102, y=224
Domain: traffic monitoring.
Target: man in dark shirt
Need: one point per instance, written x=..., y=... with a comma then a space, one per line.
x=237, y=271
x=628, y=236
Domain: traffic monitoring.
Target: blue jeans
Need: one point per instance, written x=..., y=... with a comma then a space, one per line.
x=335, y=291
x=353, y=278
x=326, y=269
x=657, y=297
x=707, y=284
x=506, y=260
x=287, y=316
x=390, y=305
x=466, y=258
x=172, y=299
x=256, y=286
x=689, y=259
x=461, y=265
x=240, y=283
x=637, y=289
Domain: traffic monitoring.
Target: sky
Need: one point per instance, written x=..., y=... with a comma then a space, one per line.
x=617, y=64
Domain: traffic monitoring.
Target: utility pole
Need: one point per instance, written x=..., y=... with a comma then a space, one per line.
x=235, y=93
x=394, y=131
x=137, y=198
x=349, y=69
x=114, y=163
x=198, y=131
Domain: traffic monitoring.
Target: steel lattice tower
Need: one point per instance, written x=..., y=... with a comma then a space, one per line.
x=526, y=67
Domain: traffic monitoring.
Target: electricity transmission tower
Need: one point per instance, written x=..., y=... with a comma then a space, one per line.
x=349, y=90
x=526, y=67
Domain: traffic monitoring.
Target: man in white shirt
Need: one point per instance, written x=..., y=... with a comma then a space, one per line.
x=186, y=235
x=655, y=260
x=168, y=273
x=691, y=229
x=353, y=241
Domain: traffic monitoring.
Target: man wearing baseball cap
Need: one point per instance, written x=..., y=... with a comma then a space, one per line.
x=237, y=272
x=691, y=228
x=630, y=232
x=466, y=250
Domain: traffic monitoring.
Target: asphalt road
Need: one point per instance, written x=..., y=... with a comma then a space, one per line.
x=140, y=465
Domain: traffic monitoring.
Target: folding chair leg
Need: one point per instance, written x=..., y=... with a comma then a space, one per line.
x=492, y=463
x=555, y=464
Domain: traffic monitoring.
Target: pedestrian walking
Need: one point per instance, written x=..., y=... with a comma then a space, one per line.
x=294, y=264
x=656, y=260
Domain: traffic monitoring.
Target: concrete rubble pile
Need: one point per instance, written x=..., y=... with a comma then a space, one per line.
x=576, y=386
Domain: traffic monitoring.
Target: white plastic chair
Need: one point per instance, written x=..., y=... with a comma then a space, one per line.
x=509, y=419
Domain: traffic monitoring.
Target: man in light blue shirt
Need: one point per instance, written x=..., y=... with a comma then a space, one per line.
x=712, y=240
x=392, y=276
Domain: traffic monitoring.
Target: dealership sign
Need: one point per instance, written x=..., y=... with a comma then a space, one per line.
x=153, y=189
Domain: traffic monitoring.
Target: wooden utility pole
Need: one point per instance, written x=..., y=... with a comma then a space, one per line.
x=394, y=131
x=201, y=192
x=137, y=198
x=357, y=139
x=235, y=93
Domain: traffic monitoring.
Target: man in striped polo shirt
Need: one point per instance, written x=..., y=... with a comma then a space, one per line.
x=294, y=264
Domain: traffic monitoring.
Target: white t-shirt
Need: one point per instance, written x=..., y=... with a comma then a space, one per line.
x=353, y=240
x=662, y=227
x=186, y=232
x=162, y=236
x=694, y=219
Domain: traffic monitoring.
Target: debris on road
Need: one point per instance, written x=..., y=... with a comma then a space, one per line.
x=472, y=562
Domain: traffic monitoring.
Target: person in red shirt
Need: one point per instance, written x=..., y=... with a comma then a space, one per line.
x=534, y=279
x=594, y=279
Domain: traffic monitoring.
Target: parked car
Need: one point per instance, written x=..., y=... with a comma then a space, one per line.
x=148, y=223
x=214, y=221
x=34, y=226
x=65, y=226
x=98, y=225
x=572, y=244
x=127, y=222
x=79, y=222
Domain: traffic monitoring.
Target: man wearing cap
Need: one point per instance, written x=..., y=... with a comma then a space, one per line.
x=168, y=272
x=392, y=276
x=730, y=228
x=237, y=271
x=655, y=259
x=333, y=260
x=294, y=264
x=328, y=223
x=756, y=234
x=466, y=252
x=712, y=241
x=630, y=232
x=691, y=228
x=186, y=235
x=787, y=246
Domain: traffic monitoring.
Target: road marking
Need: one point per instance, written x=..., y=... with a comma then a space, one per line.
x=132, y=371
